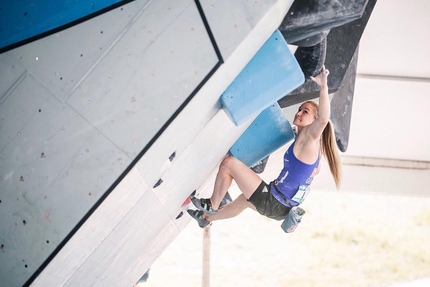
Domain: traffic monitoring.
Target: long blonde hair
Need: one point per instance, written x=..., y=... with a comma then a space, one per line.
x=330, y=150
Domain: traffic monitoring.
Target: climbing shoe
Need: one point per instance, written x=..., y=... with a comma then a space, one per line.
x=203, y=204
x=198, y=216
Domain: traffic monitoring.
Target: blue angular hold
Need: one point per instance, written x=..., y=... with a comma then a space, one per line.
x=267, y=133
x=270, y=75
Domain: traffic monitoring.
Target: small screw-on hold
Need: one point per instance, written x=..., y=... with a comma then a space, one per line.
x=172, y=156
x=21, y=178
x=160, y=181
x=180, y=215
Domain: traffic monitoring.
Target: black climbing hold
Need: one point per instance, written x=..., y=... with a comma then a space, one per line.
x=172, y=156
x=180, y=215
x=260, y=165
x=311, y=59
x=160, y=181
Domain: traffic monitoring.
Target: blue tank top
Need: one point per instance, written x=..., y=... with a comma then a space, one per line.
x=294, y=174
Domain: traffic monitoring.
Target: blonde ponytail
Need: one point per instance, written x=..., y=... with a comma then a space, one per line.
x=330, y=152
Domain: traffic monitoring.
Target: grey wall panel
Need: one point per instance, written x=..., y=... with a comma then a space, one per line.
x=54, y=166
x=130, y=95
x=11, y=74
x=35, y=148
x=38, y=136
x=60, y=61
x=77, y=107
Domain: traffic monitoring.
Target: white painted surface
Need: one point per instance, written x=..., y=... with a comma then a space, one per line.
x=390, y=119
x=396, y=40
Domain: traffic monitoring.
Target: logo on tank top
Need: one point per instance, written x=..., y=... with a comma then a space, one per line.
x=281, y=180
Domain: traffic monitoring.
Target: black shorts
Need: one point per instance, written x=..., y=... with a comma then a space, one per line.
x=266, y=204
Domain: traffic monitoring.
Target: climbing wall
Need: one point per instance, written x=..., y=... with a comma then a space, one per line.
x=77, y=108
x=90, y=117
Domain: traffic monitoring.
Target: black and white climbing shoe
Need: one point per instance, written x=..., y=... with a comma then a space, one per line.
x=198, y=216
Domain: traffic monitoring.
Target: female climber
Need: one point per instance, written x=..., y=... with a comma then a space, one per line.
x=314, y=137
